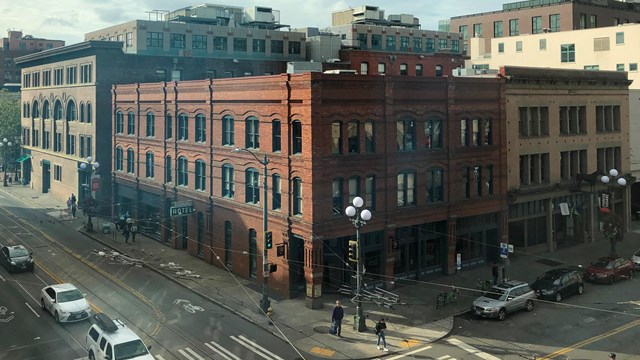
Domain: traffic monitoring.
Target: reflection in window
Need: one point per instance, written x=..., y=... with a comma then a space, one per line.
x=406, y=188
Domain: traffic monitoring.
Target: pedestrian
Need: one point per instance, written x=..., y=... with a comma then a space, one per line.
x=494, y=272
x=73, y=199
x=612, y=356
x=126, y=233
x=134, y=231
x=10, y=179
x=74, y=208
x=336, y=317
x=381, y=326
x=69, y=205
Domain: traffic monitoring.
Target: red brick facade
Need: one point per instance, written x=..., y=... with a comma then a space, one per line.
x=368, y=134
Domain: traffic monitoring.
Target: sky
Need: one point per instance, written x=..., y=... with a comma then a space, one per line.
x=69, y=20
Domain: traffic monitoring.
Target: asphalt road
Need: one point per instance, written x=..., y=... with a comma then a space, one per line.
x=175, y=322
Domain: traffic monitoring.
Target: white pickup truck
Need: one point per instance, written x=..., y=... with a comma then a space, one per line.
x=112, y=340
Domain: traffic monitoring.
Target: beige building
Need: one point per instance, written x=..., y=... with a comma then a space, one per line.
x=609, y=48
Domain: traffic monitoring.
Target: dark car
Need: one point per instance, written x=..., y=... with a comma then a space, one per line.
x=16, y=258
x=608, y=269
x=557, y=284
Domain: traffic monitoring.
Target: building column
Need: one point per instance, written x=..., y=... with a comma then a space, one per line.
x=451, y=247
x=390, y=257
x=551, y=232
x=313, y=273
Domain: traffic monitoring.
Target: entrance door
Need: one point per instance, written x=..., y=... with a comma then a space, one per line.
x=296, y=266
x=46, y=176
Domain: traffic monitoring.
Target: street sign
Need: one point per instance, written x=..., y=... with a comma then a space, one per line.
x=95, y=182
x=504, y=250
x=181, y=210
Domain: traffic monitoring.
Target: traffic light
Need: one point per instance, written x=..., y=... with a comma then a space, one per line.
x=353, y=250
x=268, y=238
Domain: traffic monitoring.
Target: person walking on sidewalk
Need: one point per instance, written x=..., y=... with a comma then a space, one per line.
x=494, y=272
x=337, y=316
x=125, y=233
x=134, y=231
x=74, y=208
x=381, y=327
x=69, y=206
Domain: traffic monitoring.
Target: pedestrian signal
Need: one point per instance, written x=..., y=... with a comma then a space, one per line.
x=353, y=250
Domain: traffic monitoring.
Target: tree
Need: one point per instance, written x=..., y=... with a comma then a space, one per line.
x=612, y=230
x=10, y=125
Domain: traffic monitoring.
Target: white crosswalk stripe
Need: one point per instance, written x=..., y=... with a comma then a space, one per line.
x=159, y=357
x=446, y=357
x=407, y=354
x=242, y=340
x=187, y=352
x=472, y=350
x=218, y=349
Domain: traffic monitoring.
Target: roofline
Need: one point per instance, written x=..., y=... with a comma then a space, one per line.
x=91, y=44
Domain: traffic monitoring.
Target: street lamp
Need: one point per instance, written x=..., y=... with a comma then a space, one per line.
x=359, y=218
x=5, y=145
x=265, y=304
x=89, y=168
x=612, y=228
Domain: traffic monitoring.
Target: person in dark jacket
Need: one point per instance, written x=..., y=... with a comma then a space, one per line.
x=337, y=316
x=381, y=327
x=494, y=272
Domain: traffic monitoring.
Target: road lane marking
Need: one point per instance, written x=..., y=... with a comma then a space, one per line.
x=220, y=350
x=445, y=357
x=472, y=350
x=591, y=340
x=259, y=350
x=410, y=353
x=159, y=357
x=33, y=311
x=189, y=357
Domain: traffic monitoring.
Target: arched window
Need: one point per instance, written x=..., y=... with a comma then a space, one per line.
x=406, y=134
x=336, y=137
x=72, y=114
x=200, y=174
x=183, y=127
x=57, y=110
x=183, y=171
x=276, y=135
x=119, y=159
x=227, y=181
x=297, y=195
x=151, y=124
x=201, y=128
x=435, y=185
x=433, y=133
x=35, y=110
x=46, y=111
x=119, y=122
x=228, y=136
x=149, y=165
x=131, y=161
x=82, y=113
x=252, y=133
x=296, y=134
x=406, y=188
x=252, y=186
x=89, y=113
x=168, y=169
x=131, y=123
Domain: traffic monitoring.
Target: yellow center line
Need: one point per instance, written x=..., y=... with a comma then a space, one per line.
x=591, y=340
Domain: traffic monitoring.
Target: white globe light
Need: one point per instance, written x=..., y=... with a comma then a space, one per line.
x=89, y=159
x=613, y=173
x=350, y=211
x=96, y=165
x=9, y=143
x=83, y=166
x=622, y=182
x=365, y=215
x=357, y=201
x=4, y=140
x=605, y=179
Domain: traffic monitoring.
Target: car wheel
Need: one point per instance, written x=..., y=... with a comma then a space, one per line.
x=91, y=356
x=502, y=314
x=529, y=305
x=558, y=297
x=580, y=289
x=42, y=305
x=57, y=317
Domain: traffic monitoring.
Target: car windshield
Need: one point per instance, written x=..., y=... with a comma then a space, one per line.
x=18, y=252
x=637, y=253
x=551, y=277
x=71, y=295
x=496, y=294
x=130, y=350
x=603, y=263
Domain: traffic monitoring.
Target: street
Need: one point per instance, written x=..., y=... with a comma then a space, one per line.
x=176, y=323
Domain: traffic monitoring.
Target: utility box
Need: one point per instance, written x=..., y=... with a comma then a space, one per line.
x=106, y=228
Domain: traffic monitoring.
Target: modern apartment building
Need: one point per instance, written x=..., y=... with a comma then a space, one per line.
x=543, y=16
x=66, y=108
x=605, y=49
x=427, y=155
x=207, y=30
x=16, y=45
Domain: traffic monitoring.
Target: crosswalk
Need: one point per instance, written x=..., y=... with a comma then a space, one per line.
x=223, y=353
x=457, y=344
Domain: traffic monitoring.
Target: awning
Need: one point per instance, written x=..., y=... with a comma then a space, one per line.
x=23, y=158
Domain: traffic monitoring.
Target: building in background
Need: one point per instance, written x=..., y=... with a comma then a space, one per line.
x=542, y=16
x=427, y=154
x=16, y=45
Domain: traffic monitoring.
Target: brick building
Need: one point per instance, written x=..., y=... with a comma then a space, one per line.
x=16, y=45
x=427, y=155
x=538, y=16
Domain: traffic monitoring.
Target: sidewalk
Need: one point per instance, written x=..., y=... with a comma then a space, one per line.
x=410, y=327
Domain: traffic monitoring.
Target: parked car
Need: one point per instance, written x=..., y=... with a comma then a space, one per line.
x=16, y=258
x=504, y=298
x=557, y=284
x=608, y=269
x=635, y=259
x=65, y=302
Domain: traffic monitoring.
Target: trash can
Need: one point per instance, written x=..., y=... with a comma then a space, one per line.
x=106, y=228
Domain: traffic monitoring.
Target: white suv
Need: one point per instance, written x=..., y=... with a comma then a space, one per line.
x=112, y=340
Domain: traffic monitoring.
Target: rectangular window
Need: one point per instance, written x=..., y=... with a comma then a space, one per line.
x=239, y=44
x=406, y=135
x=554, y=22
x=149, y=165
x=536, y=24
x=498, y=29
x=89, y=146
x=443, y=44
x=200, y=175
x=464, y=31
x=296, y=130
x=131, y=160
x=297, y=196
x=501, y=48
x=583, y=21
x=382, y=68
x=543, y=44
x=168, y=127
x=567, y=53
x=276, y=191
x=85, y=73
x=57, y=76
x=183, y=127
x=57, y=172
x=277, y=47
x=455, y=46
x=477, y=30
x=391, y=42
x=154, y=39
x=370, y=192
x=337, y=196
x=593, y=21
x=362, y=41
x=199, y=42
x=620, y=38
x=417, y=44
x=72, y=75
x=294, y=47
x=406, y=189
x=369, y=137
x=619, y=67
x=633, y=66
x=514, y=27
x=376, y=41
x=431, y=45
x=82, y=144
x=336, y=138
x=35, y=81
x=259, y=46
x=129, y=39
x=601, y=44
x=220, y=43
x=404, y=43
x=26, y=80
x=353, y=137
x=518, y=46
x=46, y=78
x=228, y=189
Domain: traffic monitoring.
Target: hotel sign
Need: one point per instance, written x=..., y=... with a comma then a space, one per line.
x=181, y=208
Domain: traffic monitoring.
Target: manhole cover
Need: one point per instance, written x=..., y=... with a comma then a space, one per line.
x=321, y=329
x=549, y=262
